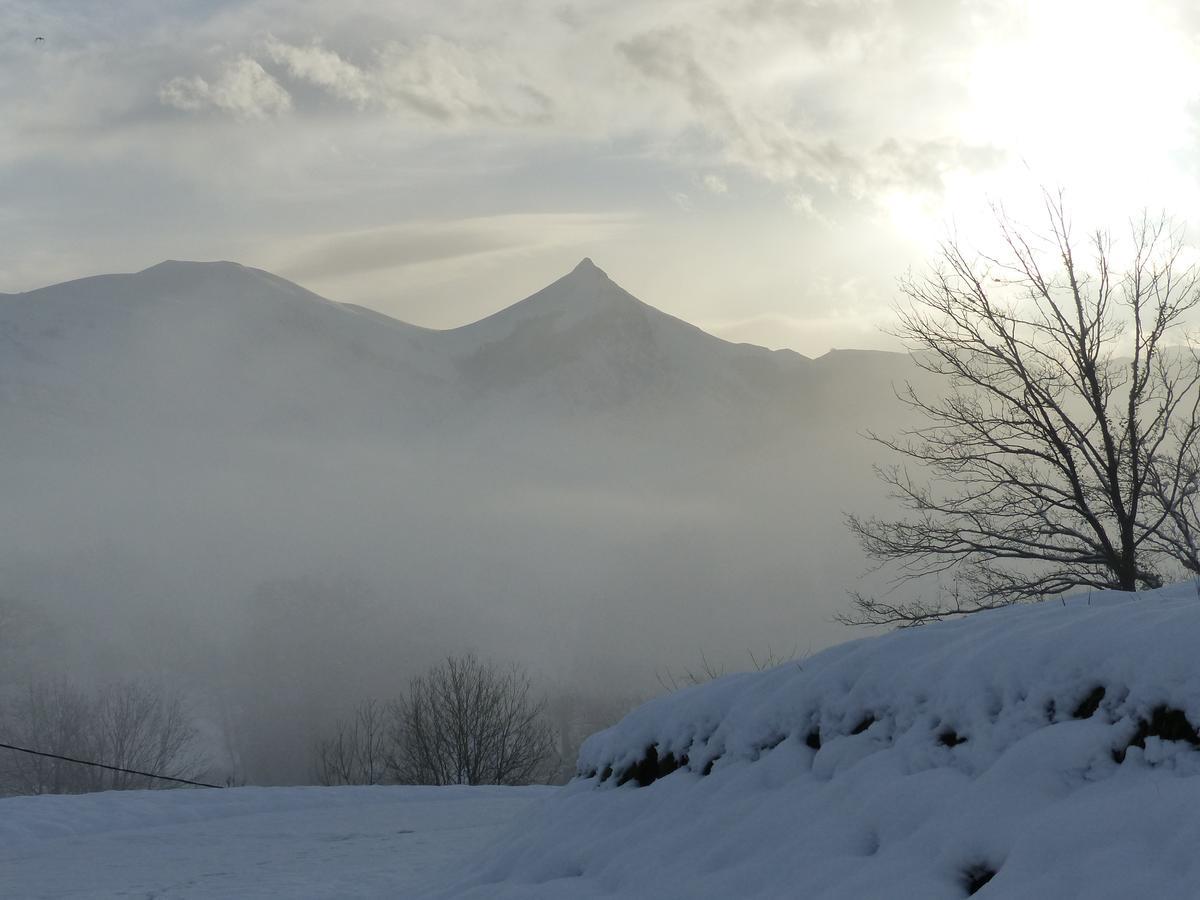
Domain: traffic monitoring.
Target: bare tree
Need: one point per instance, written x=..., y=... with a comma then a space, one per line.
x=55, y=717
x=1177, y=492
x=127, y=725
x=358, y=749
x=139, y=727
x=470, y=722
x=1057, y=456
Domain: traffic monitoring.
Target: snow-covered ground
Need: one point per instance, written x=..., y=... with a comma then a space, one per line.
x=1019, y=744
x=1034, y=752
x=377, y=842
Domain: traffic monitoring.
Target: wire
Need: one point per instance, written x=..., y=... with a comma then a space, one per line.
x=85, y=762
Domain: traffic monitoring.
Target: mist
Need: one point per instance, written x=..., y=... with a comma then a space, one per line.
x=283, y=506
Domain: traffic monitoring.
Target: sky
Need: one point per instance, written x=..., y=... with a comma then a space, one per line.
x=766, y=169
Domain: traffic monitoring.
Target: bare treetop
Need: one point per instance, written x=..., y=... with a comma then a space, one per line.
x=1060, y=453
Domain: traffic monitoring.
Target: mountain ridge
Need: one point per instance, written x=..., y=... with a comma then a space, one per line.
x=189, y=343
x=586, y=269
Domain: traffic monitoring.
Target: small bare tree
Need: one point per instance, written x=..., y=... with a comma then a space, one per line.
x=1059, y=452
x=146, y=729
x=470, y=722
x=357, y=751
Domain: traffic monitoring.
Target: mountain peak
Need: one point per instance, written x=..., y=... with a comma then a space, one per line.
x=588, y=268
x=584, y=295
x=186, y=264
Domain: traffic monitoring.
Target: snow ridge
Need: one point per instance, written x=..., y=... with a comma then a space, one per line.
x=952, y=684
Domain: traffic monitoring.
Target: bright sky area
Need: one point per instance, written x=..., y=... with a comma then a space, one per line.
x=762, y=168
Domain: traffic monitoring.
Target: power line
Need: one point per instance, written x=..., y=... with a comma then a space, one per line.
x=85, y=762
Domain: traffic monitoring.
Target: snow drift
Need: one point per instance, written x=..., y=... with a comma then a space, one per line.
x=1045, y=751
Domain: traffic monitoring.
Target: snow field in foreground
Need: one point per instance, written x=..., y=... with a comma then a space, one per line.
x=348, y=842
x=1044, y=751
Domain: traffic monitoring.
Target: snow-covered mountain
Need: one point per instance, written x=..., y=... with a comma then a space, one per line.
x=584, y=343
x=186, y=342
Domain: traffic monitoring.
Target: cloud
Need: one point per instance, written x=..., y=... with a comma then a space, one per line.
x=801, y=202
x=774, y=110
x=244, y=89
x=715, y=184
x=429, y=77
x=336, y=255
x=923, y=164
x=769, y=146
x=394, y=247
x=324, y=68
x=802, y=94
x=447, y=81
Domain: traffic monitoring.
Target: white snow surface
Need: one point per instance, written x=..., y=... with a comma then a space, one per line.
x=1034, y=793
x=945, y=751
x=309, y=842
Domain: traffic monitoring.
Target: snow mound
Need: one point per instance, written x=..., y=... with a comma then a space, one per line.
x=1038, y=751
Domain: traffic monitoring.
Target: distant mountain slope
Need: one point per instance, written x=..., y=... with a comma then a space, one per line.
x=213, y=343
x=203, y=343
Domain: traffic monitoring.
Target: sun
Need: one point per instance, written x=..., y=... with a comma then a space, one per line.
x=1096, y=97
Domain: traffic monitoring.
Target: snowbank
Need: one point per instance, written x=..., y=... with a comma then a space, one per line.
x=1044, y=751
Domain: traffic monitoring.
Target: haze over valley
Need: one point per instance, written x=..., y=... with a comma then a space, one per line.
x=287, y=504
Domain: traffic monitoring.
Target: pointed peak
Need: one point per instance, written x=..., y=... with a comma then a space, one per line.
x=587, y=267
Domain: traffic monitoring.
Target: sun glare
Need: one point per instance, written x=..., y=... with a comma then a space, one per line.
x=1094, y=97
